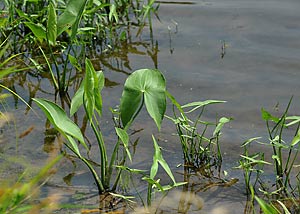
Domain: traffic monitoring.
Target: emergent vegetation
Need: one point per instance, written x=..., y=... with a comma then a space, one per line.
x=57, y=40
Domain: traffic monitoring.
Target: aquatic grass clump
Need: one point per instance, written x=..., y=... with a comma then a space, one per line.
x=201, y=152
x=282, y=191
x=58, y=30
x=80, y=18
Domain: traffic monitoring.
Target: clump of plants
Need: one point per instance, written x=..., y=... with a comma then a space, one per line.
x=201, y=151
x=62, y=31
x=276, y=192
x=145, y=87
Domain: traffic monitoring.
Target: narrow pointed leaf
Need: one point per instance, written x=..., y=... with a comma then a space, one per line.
x=122, y=134
x=296, y=139
x=7, y=71
x=99, y=84
x=199, y=104
x=137, y=171
x=250, y=141
x=220, y=125
x=78, y=18
x=89, y=86
x=159, y=158
x=74, y=62
x=295, y=119
x=175, y=103
x=38, y=30
x=51, y=24
x=77, y=100
x=73, y=145
x=59, y=119
x=154, y=168
x=266, y=208
x=252, y=160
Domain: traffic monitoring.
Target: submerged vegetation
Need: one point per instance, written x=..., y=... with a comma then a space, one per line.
x=69, y=44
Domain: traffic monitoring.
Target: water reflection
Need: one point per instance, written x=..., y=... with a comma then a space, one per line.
x=36, y=77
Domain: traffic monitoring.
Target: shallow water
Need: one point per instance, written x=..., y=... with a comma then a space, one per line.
x=260, y=68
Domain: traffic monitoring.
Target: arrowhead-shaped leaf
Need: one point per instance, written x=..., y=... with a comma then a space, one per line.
x=93, y=84
x=38, y=30
x=71, y=16
x=144, y=86
x=89, y=91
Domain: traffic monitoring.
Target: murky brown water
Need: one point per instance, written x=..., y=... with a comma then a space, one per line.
x=260, y=68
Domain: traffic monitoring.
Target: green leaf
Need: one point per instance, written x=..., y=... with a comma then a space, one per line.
x=254, y=161
x=99, y=84
x=158, y=158
x=199, y=104
x=153, y=183
x=3, y=22
x=169, y=187
x=23, y=15
x=266, y=208
x=154, y=168
x=2, y=97
x=73, y=145
x=175, y=103
x=266, y=116
x=38, y=30
x=60, y=120
x=145, y=85
x=296, y=139
x=71, y=16
x=131, y=101
x=7, y=71
x=220, y=125
x=132, y=170
x=89, y=92
x=286, y=211
x=74, y=62
x=77, y=100
x=250, y=141
x=113, y=13
x=89, y=85
x=127, y=198
x=51, y=24
x=122, y=134
x=295, y=119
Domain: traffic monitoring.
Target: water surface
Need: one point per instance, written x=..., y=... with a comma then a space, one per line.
x=260, y=68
